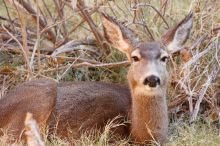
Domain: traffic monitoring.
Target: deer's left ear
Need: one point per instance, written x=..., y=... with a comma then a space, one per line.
x=175, y=38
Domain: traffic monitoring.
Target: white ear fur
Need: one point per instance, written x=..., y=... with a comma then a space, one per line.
x=181, y=34
x=114, y=35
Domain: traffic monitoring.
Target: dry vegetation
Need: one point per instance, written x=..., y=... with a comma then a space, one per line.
x=56, y=39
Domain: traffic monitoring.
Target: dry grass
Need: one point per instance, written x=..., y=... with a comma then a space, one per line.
x=197, y=134
x=193, y=78
x=181, y=134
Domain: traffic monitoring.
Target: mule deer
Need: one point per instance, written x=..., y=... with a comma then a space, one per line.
x=83, y=105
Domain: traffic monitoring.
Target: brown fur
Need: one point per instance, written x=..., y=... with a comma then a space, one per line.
x=149, y=118
x=36, y=97
x=74, y=110
x=78, y=109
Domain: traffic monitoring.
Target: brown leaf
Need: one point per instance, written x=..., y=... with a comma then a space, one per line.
x=185, y=54
x=6, y=70
x=57, y=61
x=214, y=116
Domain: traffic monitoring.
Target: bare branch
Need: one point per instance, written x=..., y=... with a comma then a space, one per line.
x=32, y=132
x=211, y=77
x=70, y=46
x=108, y=65
x=25, y=5
x=89, y=20
x=157, y=11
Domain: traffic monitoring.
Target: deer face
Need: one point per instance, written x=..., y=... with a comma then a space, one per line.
x=147, y=74
x=148, y=68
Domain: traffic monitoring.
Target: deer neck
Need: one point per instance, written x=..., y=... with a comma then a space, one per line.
x=149, y=117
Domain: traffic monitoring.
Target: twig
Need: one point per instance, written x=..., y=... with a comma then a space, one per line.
x=211, y=77
x=108, y=65
x=24, y=37
x=198, y=56
x=32, y=132
x=47, y=28
x=37, y=41
x=59, y=8
x=87, y=64
x=68, y=68
x=81, y=22
x=75, y=59
x=215, y=30
x=24, y=52
x=158, y=12
x=9, y=17
x=176, y=102
x=147, y=28
x=70, y=46
x=89, y=20
x=42, y=20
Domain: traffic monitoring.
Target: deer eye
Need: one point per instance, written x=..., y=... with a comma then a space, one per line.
x=164, y=59
x=135, y=58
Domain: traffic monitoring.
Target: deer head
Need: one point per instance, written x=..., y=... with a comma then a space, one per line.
x=147, y=74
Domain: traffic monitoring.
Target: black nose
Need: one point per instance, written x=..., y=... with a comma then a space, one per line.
x=152, y=81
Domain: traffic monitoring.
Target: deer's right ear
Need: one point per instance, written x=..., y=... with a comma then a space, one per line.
x=114, y=35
